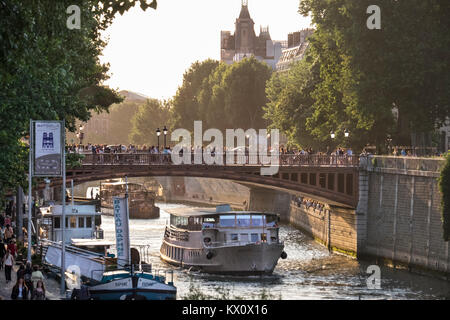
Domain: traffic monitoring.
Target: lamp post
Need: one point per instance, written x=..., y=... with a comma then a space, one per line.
x=158, y=133
x=332, y=134
x=165, y=134
x=346, y=133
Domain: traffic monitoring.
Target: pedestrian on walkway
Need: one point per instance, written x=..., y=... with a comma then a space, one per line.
x=36, y=276
x=9, y=233
x=12, y=248
x=21, y=271
x=27, y=277
x=20, y=290
x=39, y=292
x=9, y=262
x=2, y=253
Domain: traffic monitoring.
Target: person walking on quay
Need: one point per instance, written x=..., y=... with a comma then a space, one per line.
x=12, y=248
x=20, y=290
x=8, y=260
x=2, y=253
x=27, y=277
x=36, y=276
x=39, y=291
x=9, y=233
x=21, y=271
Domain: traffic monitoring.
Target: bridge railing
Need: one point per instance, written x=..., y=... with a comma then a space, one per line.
x=236, y=160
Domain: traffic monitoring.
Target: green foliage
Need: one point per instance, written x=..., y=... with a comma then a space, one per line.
x=223, y=96
x=50, y=72
x=444, y=187
x=73, y=160
x=150, y=116
x=353, y=77
x=222, y=293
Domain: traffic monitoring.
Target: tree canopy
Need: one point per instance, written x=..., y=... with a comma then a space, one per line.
x=374, y=82
x=48, y=71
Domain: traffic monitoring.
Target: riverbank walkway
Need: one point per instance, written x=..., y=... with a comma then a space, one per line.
x=52, y=287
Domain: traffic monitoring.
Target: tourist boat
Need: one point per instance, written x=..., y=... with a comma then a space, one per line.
x=223, y=241
x=141, y=200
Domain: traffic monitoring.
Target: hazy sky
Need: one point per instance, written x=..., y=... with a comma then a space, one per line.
x=149, y=51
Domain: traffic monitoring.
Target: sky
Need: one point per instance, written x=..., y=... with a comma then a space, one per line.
x=149, y=51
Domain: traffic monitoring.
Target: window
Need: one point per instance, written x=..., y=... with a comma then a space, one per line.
x=57, y=223
x=67, y=222
x=254, y=237
x=234, y=237
x=80, y=222
x=257, y=221
x=88, y=222
x=271, y=220
x=243, y=221
x=244, y=237
x=73, y=222
x=227, y=221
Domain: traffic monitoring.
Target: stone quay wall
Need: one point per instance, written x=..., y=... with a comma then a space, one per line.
x=399, y=213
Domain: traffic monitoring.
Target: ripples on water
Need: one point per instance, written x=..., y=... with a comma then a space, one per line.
x=309, y=272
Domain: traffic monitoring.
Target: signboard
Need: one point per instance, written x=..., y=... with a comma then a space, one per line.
x=122, y=231
x=48, y=148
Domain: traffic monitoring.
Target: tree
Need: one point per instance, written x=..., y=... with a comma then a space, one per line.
x=50, y=72
x=150, y=116
x=365, y=74
x=290, y=103
x=185, y=102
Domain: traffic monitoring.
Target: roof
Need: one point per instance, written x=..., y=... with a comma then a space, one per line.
x=92, y=242
x=200, y=212
x=79, y=210
x=245, y=14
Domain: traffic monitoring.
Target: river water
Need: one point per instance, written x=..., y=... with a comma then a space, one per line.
x=309, y=272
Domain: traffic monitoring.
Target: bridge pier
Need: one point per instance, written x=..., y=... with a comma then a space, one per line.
x=263, y=199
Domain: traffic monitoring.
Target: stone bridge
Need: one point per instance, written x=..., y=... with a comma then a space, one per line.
x=331, y=178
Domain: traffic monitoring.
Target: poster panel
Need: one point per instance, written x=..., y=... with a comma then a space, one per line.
x=48, y=148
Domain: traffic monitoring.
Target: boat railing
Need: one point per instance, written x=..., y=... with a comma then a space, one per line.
x=230, y=243
x=176, y=234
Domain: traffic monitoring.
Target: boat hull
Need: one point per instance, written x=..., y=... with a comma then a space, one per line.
x=127, y=289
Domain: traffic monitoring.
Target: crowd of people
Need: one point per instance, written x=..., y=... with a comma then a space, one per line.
x=309, y=203
x=30, y=280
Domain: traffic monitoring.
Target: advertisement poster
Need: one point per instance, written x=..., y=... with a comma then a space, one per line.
x=47, y=149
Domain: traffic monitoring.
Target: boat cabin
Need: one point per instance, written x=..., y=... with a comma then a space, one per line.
x=81, y=222
x=225, y=227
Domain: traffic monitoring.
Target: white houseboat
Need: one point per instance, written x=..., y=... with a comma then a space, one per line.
x=81, y=222
x=223, y=241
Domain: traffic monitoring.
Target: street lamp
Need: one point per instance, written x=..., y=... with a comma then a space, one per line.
x=333, y=135
x=165, y=134
x=346, y=133
x=158, y=133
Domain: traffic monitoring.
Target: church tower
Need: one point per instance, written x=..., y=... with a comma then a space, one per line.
x=245, y=37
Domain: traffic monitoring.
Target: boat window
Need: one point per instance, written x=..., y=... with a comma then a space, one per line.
x=57, y=222
x=80, y=222
x=209, y=222
x=227, y=221
x=73, y=222
x=254, y=237
x=234, y=237
x=67, y=223
x=257, y=221
x=271, y=220
x=88, y=222
x=243, y=220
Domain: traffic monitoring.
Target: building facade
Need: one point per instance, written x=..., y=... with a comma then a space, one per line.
x=245, y=43
x=296, y=49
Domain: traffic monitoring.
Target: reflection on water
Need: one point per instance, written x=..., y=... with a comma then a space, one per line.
x=309, y=272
